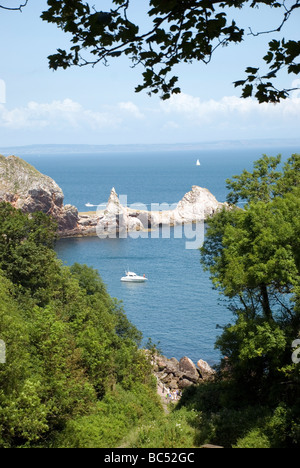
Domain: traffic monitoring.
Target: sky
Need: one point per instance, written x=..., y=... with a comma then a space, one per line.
x=99, y=105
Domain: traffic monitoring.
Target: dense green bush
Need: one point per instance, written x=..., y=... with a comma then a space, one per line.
x=176, y=430
x=68, y=343
x=225, y=418
x=112, y=420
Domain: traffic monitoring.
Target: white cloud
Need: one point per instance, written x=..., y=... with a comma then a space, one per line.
x=228, y=108
x=171, y=125
x=65, y=114
x=227, y=118
x=183, y=118
x=131, y=108
x=296, y=86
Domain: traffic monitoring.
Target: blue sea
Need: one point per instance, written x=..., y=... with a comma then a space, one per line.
x=177, y=308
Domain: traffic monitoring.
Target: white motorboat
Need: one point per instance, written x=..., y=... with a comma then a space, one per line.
x=132, y=277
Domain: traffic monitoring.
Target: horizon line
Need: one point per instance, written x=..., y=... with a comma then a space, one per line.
x=214, y=144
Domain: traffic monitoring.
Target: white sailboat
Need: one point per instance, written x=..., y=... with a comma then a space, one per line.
x=198, y=163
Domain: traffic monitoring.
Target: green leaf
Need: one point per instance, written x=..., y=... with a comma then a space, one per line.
x=247, y=91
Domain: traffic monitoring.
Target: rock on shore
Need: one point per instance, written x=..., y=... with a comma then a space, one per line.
x=177, y=375
x=197, y=205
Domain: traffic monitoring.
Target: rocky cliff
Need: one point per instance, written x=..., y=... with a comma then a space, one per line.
x=29, y=190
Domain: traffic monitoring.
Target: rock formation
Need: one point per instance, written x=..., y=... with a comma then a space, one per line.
x=177, y=375
x=196, y=206
x=30, y=191
x=205, y=370
x=116, y=218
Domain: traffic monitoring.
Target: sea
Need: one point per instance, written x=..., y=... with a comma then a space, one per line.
x=177, y=308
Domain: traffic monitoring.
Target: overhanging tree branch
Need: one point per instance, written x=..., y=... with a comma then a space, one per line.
x=182, y=31
x=19, y=8
x=286, y=17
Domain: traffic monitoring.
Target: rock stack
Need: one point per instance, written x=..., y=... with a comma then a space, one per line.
x=116, y=218
x=196, y=206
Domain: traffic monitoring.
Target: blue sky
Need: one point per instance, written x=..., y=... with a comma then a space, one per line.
x=99, y=106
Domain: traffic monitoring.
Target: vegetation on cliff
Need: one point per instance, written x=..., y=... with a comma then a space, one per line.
x=18, y=176
x=27, y=189
x=68, y=343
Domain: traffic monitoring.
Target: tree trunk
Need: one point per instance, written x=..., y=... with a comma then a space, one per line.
x=265, y=302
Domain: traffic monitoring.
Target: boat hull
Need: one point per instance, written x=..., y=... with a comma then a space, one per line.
x=133, y=280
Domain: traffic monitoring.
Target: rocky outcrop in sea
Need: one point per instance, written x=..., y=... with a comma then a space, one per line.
x=29, y=190
x=196, y=206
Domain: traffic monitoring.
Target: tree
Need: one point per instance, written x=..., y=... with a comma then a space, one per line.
x=181, y=31
x=26, y=254
x=266, y=181
x=253, y=257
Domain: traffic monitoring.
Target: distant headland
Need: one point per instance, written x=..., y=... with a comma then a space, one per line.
x=44, y=149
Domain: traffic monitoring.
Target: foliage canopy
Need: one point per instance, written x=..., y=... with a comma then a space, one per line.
x=181, y=31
